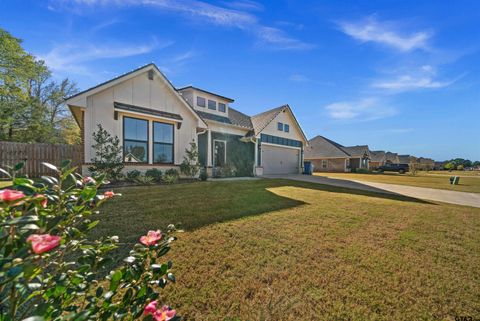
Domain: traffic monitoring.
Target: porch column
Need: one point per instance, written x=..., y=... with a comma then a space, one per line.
x=256, y=156
x=345, y=169
x=209, y=148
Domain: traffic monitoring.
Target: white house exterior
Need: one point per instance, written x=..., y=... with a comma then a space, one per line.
x=156, y=122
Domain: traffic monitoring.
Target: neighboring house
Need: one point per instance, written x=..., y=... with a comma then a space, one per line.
x=391, y=158
x=425, y=163
x=329, y=156
x=377, y=158
x=156, y=122
x=406, y=159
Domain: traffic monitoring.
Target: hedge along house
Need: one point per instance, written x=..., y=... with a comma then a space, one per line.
x=156, y=122
x=329, y=156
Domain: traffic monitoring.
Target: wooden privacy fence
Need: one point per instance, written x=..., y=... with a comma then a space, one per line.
x=34, y=154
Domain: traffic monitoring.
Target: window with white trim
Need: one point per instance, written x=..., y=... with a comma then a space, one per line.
x=162, y=143
x=135, y=140
x=324, y=163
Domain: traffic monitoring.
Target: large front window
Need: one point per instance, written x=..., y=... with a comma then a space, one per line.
x=162, y=143
x=135, y=140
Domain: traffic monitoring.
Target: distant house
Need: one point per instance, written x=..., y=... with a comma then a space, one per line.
x=425, y=163
x=391, y=158
x=377, y=158
x=329, y=156
x=406, y=159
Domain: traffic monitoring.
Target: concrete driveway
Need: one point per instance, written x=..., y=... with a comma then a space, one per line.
x=431, y=194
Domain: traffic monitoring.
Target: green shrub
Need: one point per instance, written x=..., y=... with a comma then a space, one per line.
x=169, y=178
x=172, y=172
x=362, y=171
x=144, y=180
x=460, y=168
x=189, y=166
x=133, y=175
x=154, y=173
x=108, y=155
x=203, y=174
x=50, y=270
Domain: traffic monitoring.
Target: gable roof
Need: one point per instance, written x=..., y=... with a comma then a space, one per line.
x=377, y=155
x=128, y=75
x=392, y=157
x=260, y=121
x=320, y=146
x=323, y=147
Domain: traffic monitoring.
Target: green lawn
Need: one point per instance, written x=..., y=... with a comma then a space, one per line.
x=4, y=184
x=288, y=250
x=422, y=179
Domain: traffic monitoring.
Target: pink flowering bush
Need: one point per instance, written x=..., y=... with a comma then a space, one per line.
x=50, y=270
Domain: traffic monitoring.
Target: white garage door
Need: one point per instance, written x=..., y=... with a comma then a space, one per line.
x=280, y=160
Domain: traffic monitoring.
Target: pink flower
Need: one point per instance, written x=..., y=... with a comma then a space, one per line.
x=8, y=195
x=42, y=243
x=109, y=194
x=43, y=200
x=88, y=180
x=151, y=308
x=164, y=314
x=151, y=238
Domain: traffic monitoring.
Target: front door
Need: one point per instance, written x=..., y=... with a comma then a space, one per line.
x=219, y=153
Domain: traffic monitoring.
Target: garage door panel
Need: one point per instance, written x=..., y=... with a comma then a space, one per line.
x=280, y=160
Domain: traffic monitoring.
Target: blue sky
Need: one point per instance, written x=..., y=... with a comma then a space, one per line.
x=402, y=76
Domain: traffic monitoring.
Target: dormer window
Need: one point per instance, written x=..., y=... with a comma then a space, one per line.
x=212, y=104
x=280, y=126
x=286, y=128
x=222, y=107
x=201, y=102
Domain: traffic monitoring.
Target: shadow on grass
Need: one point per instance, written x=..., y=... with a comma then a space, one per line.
x=371, y=192
x=346, y=186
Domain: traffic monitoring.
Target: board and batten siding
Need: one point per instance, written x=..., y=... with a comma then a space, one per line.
x=143, y=92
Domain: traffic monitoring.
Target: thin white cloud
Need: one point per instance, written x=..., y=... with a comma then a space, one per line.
x=361, y=110
x=244, y=5
x=74, y=58
x=298, y=78
x=385, y=33
x=424, y=77
x=227, y=17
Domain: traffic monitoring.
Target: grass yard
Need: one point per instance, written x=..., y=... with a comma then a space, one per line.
x=440, y=181
x=285, y=250
x=4, y=184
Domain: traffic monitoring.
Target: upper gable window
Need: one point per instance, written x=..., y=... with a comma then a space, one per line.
x=201, y=102
x=212, y=104
x=222, y=107
x=280, y=126
x=286, y=128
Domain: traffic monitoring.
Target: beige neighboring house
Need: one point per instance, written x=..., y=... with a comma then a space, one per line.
x=156, y=122
x=329, y=156
x=391, y=158
x=377, y=158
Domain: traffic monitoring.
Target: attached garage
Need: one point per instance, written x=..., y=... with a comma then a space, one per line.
x=280, y=160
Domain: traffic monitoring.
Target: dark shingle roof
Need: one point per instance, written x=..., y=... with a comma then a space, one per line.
x=234, y=118
x=356, y=151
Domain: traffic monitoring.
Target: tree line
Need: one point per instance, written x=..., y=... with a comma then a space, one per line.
x=32, y=106
x=460, y=164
